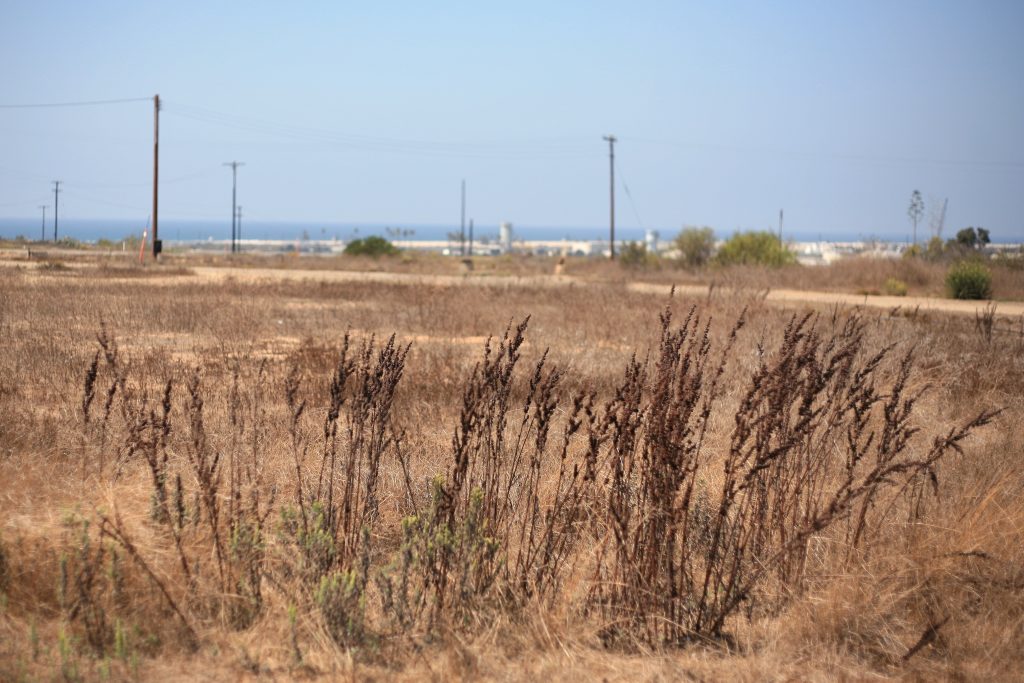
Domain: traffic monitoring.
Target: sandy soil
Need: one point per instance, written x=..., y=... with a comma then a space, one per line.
x=781, y=297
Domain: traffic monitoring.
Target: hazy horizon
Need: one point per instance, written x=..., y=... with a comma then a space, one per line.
x=177, y=230
x=725, y=114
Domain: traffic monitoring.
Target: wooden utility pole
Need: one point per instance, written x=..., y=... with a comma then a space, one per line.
x=611, y=191
x=56, y=192
x=157, y=245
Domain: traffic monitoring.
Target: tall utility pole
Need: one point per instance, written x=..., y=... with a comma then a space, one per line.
x=234, y=194
x=42, y=231
x=611, y=190
x=56, y=192
x=157, y=245
x=462, y=222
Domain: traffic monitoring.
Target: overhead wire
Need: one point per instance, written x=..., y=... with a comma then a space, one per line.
x=825, y=154
x=524, y=149
x=85, y=103
x=506, y=149
x=632, y=204
x=34, y=204
x=503, y=149
x=89, y=198
x=148, y=183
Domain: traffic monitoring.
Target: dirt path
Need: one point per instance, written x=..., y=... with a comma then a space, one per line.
x=789, y=297
x=277, y=274
x=780, y=297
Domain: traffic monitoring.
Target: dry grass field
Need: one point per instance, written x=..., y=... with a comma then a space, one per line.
x=240, y=478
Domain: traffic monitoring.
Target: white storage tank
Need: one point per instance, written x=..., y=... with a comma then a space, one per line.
x=651, y=241
x=505, y=237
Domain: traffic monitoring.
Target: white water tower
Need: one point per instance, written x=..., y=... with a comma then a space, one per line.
x=505, y=237
x=651, y=241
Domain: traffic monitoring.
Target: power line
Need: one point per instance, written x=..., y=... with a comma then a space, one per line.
x=106, y=186
x=629, y=196
x=796, y=154
x=21, y=203
x=506, y=149
x=632, y=204
x=96, y=200
x=148, y=183
x=88, y=103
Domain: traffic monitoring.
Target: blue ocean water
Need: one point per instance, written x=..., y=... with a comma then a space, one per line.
x=91, y=230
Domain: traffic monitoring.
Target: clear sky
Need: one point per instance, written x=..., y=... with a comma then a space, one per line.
x=375, y=111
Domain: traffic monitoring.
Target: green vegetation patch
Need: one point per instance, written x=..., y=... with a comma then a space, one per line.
x=969, y=280
x=373, y=246
x=758, y=247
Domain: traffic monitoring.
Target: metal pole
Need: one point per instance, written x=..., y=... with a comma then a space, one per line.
x=471, y=237
x=42, y=231
x=462, y=222
x=156, y=175
x=611, y=192
x=234, y=202
x=56, y=192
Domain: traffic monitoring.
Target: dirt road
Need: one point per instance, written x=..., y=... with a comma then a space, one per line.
x=780, y=297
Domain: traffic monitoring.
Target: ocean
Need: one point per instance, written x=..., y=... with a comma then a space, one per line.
x=91, y=230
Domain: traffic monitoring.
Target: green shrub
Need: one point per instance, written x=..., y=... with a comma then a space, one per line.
x=969, y=280
x=895, y=287
x=340, y=599
x=635, y=255
x=696, y=246
x=371, y=246
x=754, y=248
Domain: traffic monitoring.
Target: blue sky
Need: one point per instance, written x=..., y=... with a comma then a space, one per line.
x=725, y=112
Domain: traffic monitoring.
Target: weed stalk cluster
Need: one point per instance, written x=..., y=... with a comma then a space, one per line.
x=688, y=498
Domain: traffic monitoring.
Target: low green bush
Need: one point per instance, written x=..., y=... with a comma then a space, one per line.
x=754, y=248
x=969, y=280
x=895, y=287
x=371, y=246
x=635, y=255
x=696, y=246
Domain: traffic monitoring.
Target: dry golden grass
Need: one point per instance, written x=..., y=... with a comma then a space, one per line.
x=854, y=275
x=935, y=591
